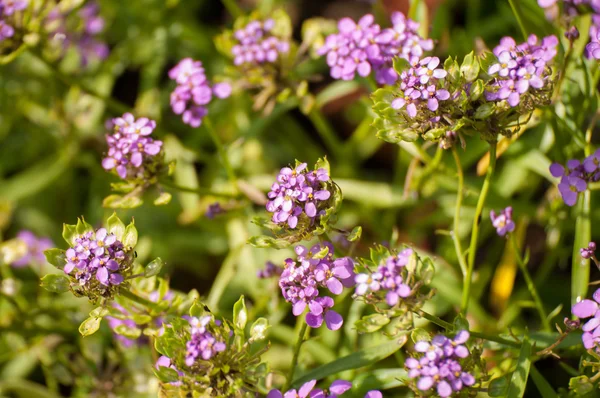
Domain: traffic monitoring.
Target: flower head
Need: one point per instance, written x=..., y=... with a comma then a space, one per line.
x=256, y=43
x=589, y=251
x=35, y=249
x=194, y=92
x=132, y=153
x=203, y=345
x=359, y=48
x=503, y=222
x=441, y=365
x=391, y=279
x=313, y=269
x=337, y=388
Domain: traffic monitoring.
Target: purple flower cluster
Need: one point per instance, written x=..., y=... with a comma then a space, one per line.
x=591, y=329
x=573, y=8
x=202, y=343
x=269, y=271
x=440, y=366
x=256, y=44
x=86, y=40
x=313, y=269
x=130, y=147
x=308, y=390
x=363, y=47
x=422, y=87
x=298, y=192
x=575, y=177
x=96, y=255
x=589, y=251
x=35, y=249
x=390, y=277
x=503, y=222
x=520, y=67
x=193, y=92
x=8, y=8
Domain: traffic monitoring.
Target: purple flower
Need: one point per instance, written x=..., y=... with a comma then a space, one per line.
x=313, y=269
x=363, y=47
x=256, y=43
x=193, y=92
x=373, y=394
x=589, y=251
x=569, y=188
x=298, y=194
x=9, y=7
x=503, y=222
x=35, y=249
x=520, y=68
x=440, y=365
x=85, y=38
x=269, y=271
x=591, y=330
x=213, y=210
x=130, y=149
x=97, y=256
x=337, y=388
x=428, y=70
x=390, y=278
x=6, y=31
x=202, y=344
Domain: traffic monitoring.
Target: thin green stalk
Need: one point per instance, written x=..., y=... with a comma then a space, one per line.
x=580, y=267
x=226, y=273
x=140, y=300
x=515, y=10
x=302, y=336
x=326, y=132
x=563, y=71
x=475, y=229
x=459, y=197
x=199, y=191
x=233, y=8
x=530, y=285
x=222, y=152
x=448, y=326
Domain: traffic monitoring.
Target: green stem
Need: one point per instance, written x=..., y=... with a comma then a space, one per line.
x=137, y=299
x=199, y=191
x=233, y=8
x=563, y=72
x=475, y=229
x=580, y=267
x=459, y=197
x=302, y=336
x=515, y=11
x=111, y=103
x=326, y=132
x=222, y=152
x=448, y=326
x=530, y=285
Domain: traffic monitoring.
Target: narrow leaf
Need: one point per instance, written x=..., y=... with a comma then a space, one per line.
x=55, y=283
x=356, y=360
x=542, y=384
x=518, y=381
x=89, y=326
x=154, y=267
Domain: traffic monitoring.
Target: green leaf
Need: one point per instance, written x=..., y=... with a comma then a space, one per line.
x=420, y=335
x=263, y=241
x=580, y=267
x=130, y=237
x=89, y=326
x=197, y=309
x=154, y=267
x=518, y=381
x=115, y=226
x=542, y=384
x=371, y=323
x=321, y=253
x=355, y=234
x=56, y=257
x=258, y=330
x=498, y=387
x=379, y=379
x=69, y=234
x=83, y=227
x=55, y=283
x=99, y=312
x=163, y=199
x=122, y=202
x=581, y=385
x=470, y=67
x=127, y=331
x=166, y=375
x=359, y=359
x=240, y=314
x=400, y=65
